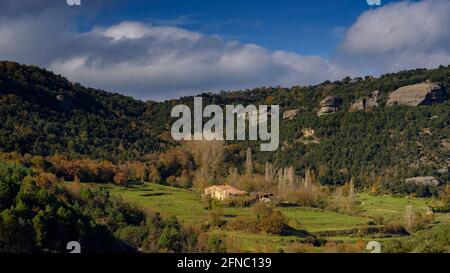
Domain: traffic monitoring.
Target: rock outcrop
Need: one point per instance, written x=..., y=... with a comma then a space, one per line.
x=308, y=133
x=291, y=114
x=329, y=105
x=426, y=180
x=417, y=94
x=366, y=103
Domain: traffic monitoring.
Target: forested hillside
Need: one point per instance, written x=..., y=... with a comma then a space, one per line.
x=38, y=215
x=45, y=114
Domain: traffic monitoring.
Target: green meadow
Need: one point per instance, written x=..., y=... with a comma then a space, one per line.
x=187, y=206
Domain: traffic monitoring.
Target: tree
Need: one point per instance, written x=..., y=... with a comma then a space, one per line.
x=10, y=178
x=249, y=162
x=270, y=220
x=445, y=197
x=308, y=178
x=216, y=217
x=269, y=173
x=208, y=156
x=202, y=178
x=140, y=170
x=233, y=176
x=410, y=218
x=154, y=175
x=351, y=196
x=120, y=179
x=172, y=237
x=338, y=199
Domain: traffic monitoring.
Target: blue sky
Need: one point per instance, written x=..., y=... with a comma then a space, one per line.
x=302, y=26
x=162, y=49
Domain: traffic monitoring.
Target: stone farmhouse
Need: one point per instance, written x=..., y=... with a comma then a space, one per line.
x=224, y=192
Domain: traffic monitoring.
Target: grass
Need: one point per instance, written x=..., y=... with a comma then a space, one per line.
x=390, y=207
x=250, y=242
x=184, y=204
x=187, y=206
x=314, y=220
x=393, y=208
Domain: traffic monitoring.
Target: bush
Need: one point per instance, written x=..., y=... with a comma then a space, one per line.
x=120, y=179
x=270, y=220
x=133, y=235
x=216, y=218
x=216, y=244
x=435, y=240
x=265, y=219
x=244, y=223
x=240, y=202
x=46, y=180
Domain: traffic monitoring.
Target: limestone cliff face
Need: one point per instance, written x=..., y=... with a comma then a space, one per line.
x=291, y=114
x=417, y=94
x=329, y=105
x=366, y=103
x=427, y=180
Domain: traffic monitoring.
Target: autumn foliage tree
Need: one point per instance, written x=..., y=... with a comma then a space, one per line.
x=270, y=220
x=208, y=156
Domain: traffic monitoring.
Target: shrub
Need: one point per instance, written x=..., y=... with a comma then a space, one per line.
x=244, y=223
x=133, y=235
x=270, y=220
x=46, y=180
x=120, y=179
x=240, y=202
x=216, y=218
x=265, y=219
x=435, y=240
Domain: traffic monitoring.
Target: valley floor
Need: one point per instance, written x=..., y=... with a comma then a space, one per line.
x=187, y=206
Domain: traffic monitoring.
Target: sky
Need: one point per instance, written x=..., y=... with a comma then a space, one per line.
x=163, y=49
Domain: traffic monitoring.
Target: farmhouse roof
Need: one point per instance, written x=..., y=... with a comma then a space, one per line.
x=227, y=189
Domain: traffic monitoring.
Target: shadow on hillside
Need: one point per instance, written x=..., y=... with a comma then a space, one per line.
x=155, y=194
x=290, y=231
x=230, y=215
x=141, y=190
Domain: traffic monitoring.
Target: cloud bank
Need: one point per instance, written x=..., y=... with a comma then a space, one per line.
x=159, y=62
x=399, y=36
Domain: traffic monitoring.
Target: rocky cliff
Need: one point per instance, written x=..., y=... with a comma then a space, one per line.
x=417, y=94
x=329, y=105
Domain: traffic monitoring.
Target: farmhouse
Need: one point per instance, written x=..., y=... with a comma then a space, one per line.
x=224, y=192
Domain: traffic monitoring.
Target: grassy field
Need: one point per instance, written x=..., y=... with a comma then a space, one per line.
x=187, y=206
x=184, y=204
x=390, y=207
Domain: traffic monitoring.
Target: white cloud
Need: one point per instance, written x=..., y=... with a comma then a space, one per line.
x=157, y=62
x=147, y=61
x=137, y=30
x=399, y=36
x=307, y=69
x=170, y=61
